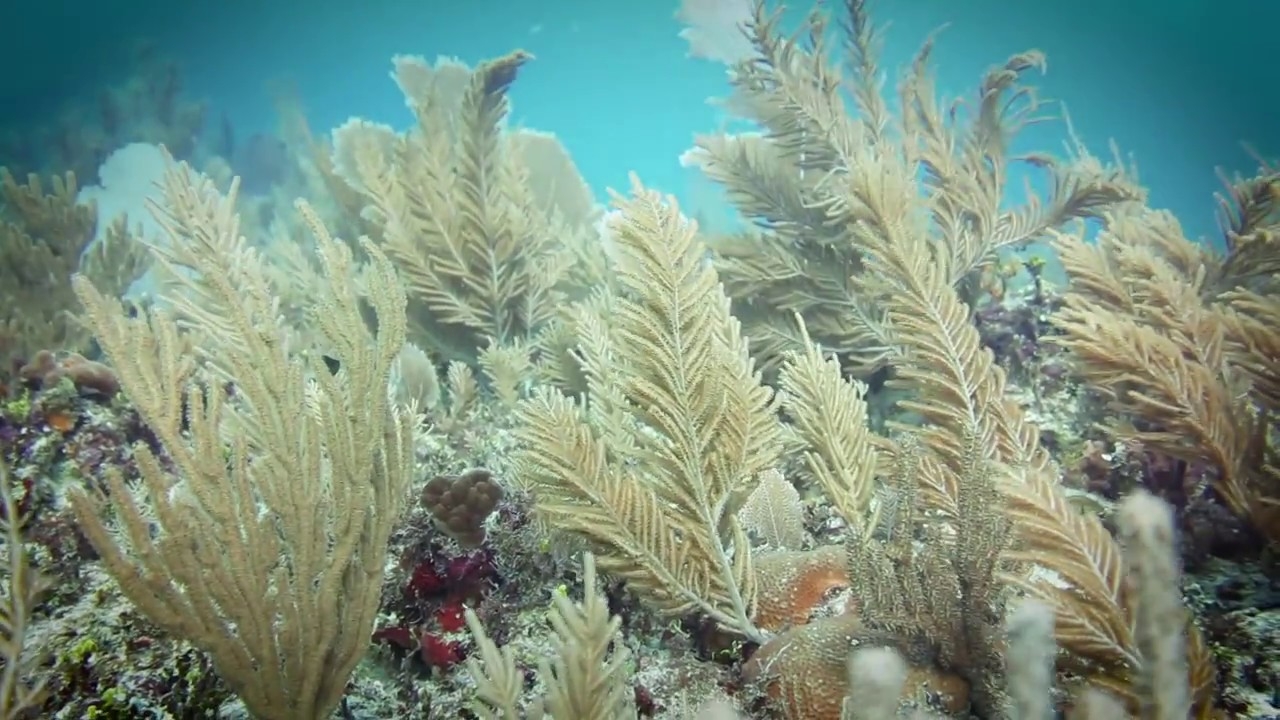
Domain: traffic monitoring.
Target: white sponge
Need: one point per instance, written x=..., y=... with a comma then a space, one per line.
x=128, y=177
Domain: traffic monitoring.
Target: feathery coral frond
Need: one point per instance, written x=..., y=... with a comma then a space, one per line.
x=270, y=509
x=817, y=125
x=901, y=235
x=45, y=236
x=22, y=588
x=1093, y=621
x=586, y=677
x=914, y=209
x=775, y=513
x=688, y=433
x=1182, y=345
x=830, y=415
x=1253, y=327
x=1249, y=216
x=961, y=399
x=491, y=227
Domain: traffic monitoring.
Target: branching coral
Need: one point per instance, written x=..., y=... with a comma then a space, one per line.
x=21, y=590
x=917, y=203
x=1184, y=342
x=654, y=463
x=785, y=177
x=490, y=228
x=586, y=675
x=260, y=534
x=43, y=241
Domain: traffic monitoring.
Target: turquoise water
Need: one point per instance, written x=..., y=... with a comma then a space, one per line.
x=1178, y=85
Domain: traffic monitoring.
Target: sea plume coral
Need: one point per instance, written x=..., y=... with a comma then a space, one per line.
x=669, y=382
x=46, y=235
x=913, y=206
x=785, y=178
x=1183, y=342
x=260, y=534
x=491, y=228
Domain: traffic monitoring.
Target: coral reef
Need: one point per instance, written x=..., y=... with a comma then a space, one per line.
x=46, y=370
x=478, y=455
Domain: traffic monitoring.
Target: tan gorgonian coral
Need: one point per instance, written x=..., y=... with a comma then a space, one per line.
x=43, y=237
x=260, y=535
x=22, y=589
x=1184, y=341
x=491, y=228
x=784, y=178
x=916, y=203
x=587, y=676
x=877, y=676
x=828, y=416
x=653, y=464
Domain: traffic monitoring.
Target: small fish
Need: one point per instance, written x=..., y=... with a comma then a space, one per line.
x=1087, y=503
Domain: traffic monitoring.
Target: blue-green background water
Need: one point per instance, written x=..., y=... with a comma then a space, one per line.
x=1179, y=85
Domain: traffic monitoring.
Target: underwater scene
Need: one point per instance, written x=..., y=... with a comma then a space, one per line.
x=710, y=360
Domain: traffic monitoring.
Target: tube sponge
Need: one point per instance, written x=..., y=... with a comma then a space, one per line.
x=1146, y=529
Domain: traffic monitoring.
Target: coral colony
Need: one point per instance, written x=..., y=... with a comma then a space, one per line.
x=406, y=425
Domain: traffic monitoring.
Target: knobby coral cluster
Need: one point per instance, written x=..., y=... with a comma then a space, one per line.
x=795, y=455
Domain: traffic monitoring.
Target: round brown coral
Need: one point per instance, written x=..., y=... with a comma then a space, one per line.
x=459, y=504
x=47, y=369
